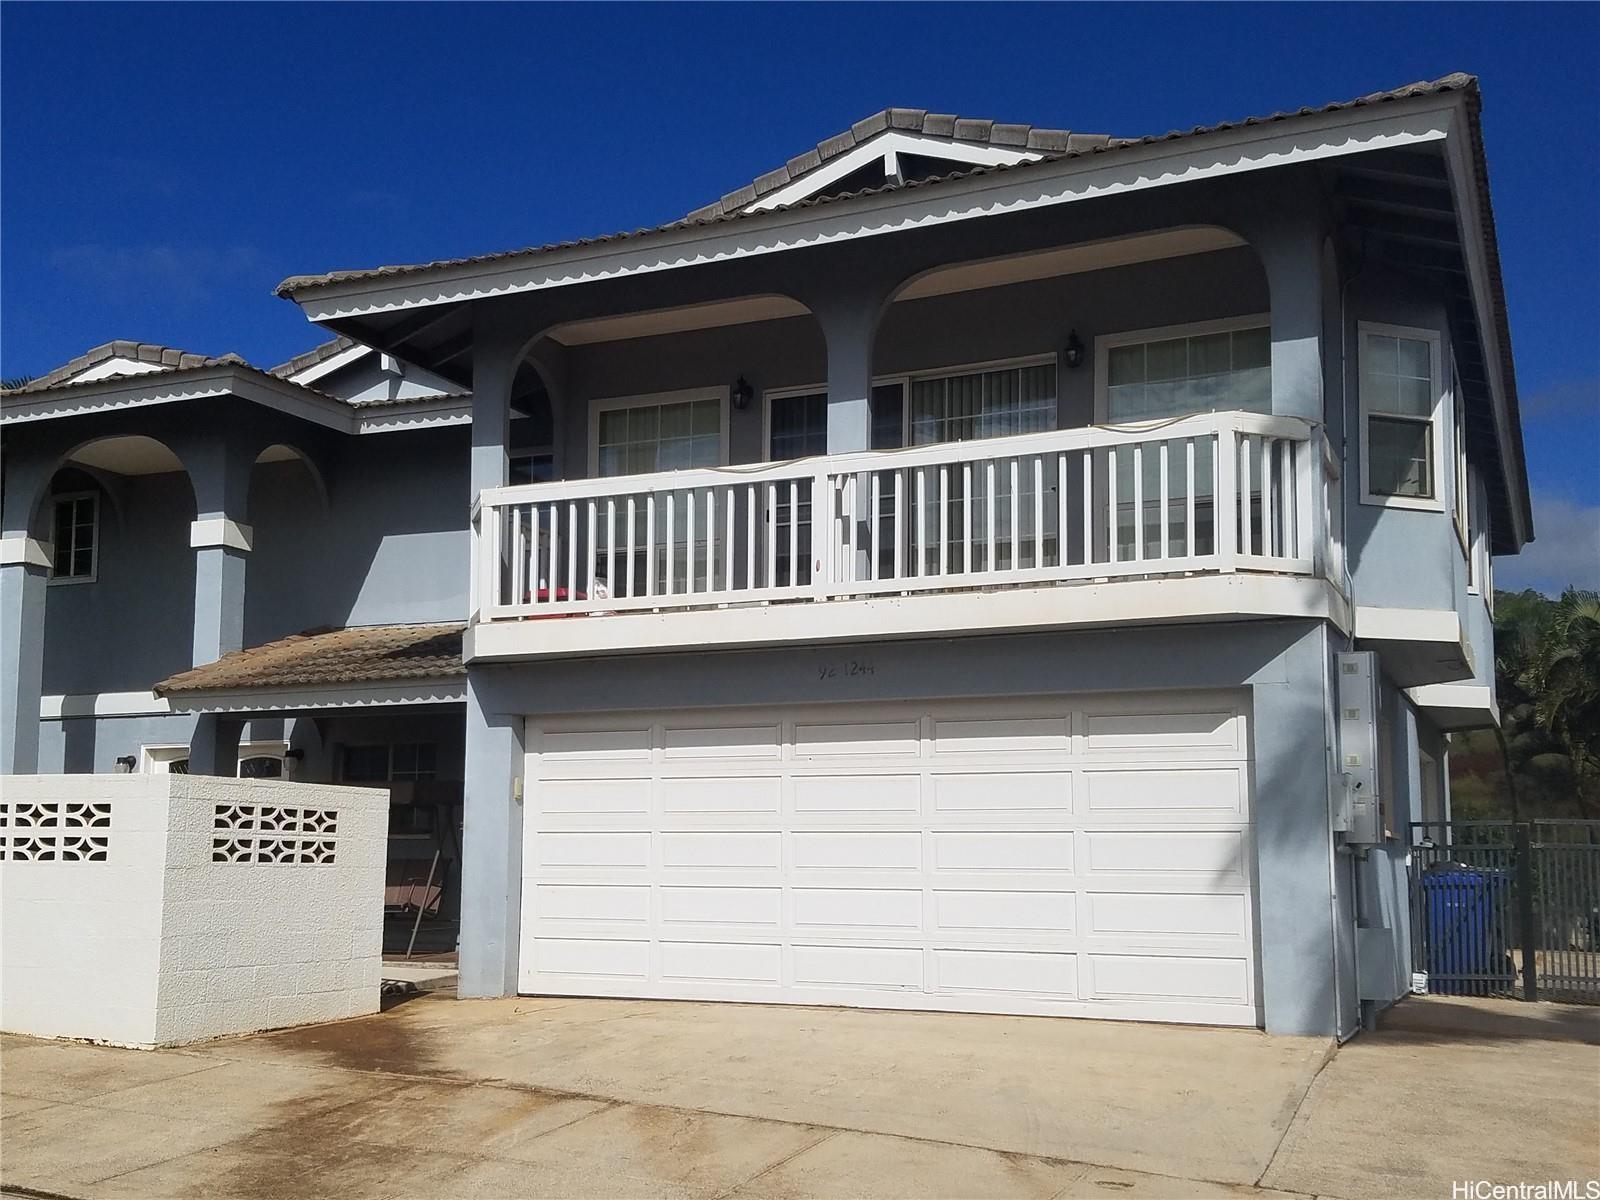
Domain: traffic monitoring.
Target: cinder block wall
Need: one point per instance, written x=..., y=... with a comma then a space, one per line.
x=161, y=909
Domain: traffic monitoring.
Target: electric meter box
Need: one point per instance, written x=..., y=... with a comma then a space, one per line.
x=1360, y=812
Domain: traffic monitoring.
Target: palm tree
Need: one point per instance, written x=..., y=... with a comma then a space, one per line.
x=1562, y=679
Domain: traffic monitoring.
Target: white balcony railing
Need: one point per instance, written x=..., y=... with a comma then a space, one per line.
x=1225, y=492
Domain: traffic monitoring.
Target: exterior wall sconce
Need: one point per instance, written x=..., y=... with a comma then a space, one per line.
x=125, y=764
x=742, y=394
x=1072, y=352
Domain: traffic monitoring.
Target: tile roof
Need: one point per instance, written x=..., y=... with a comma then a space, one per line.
x=911, y=120
x=164, y=357
x=332, y=657
x=1448, y=83
x=313, y=356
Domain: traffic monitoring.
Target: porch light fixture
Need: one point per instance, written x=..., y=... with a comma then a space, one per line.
x=1072, y=352
x=125, y=764
x=742, y=393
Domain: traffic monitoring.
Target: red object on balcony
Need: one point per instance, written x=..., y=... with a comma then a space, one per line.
x=542, y=596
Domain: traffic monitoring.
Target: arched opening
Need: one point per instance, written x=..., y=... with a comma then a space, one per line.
x=119, y=604
x=292, y=559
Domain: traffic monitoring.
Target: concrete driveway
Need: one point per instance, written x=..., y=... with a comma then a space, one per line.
x=612, y=1098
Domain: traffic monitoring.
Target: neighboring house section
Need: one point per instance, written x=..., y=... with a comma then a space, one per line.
x=963, y=569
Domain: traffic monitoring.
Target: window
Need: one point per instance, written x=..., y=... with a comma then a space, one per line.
x=1399, y=419
x=658, y=435
x=77, y=518
x=400, y=762
x=1205, y=370
x=983, y=404
x=797, y=425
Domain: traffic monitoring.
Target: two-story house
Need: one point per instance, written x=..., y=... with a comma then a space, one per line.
x=971, y=567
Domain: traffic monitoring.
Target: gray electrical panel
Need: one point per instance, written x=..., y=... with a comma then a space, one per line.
x=1359, y=815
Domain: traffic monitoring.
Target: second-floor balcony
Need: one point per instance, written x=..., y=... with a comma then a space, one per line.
x=1209, y=517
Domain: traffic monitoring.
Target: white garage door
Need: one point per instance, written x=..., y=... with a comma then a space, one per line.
x=1084, y=857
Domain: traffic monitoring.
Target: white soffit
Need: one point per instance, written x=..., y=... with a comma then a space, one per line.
x=113, y=367
x=131, y=455
x=678, y=320
x=1072, y=260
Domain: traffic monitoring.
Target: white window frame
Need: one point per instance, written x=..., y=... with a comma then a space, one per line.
x=1436, y=502
x=601, y=404
x=56, y=500
x=268, y=749
x=1105, y=343
x=154, y=759
x=905, y=379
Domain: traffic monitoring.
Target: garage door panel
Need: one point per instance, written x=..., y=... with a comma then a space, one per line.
x=866, y=967
x=1029, y=856
x=709, y=743
x=1216, y=854
x=1030, y=793
x=721, y=962
x=553, y=904
x=721, y=796
x=1155, y=914
x=757, y=908
x=976, y=912
x=1169, y=977
x=867, y=796
x=1177, y=794
x=1010, y=851
x=857, y=738
x=852, y=910
x=1040, y=973
x=845, y=850
x=729, y=851
x=1002, y=736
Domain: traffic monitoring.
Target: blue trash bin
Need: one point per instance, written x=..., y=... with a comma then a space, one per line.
x=1461, y=916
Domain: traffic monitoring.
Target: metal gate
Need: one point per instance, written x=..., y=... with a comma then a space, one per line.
x=1507, y=908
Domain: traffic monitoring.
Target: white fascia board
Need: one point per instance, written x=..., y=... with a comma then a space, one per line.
x=1013, y=610
x=376, y=695
x=216, y=382
x=328, y=366
x=102, y=704
x=893, y=142
x=417, y=414
x=1462, y=169
x=1234, y=151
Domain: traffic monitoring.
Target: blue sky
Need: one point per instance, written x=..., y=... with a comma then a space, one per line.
x=165, y=165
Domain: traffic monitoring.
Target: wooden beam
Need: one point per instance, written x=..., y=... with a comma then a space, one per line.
x=1426, y=230
x=1411, y=166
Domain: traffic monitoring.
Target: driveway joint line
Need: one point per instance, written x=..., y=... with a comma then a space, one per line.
x=786, y=1159
x=1299, y=1105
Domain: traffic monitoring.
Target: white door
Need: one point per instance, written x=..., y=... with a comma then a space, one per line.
x=1089, y=857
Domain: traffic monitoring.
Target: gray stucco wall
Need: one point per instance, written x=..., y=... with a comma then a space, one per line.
x=133, y=624
x=1282, y=663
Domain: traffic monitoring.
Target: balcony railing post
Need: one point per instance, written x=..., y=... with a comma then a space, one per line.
x=825, y=535
x=1226, y=460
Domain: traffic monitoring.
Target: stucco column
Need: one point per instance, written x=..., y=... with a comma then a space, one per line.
x=491, y=834
x=221, y=552
x=849, y=323
x=214, y=745
x=24, y=567
x=1291, y=255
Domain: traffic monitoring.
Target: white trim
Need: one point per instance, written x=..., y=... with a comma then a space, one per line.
x=220, y=531
x=377, y=695
x=600, y=404
x=57, y=499
x=161, y=752
x=888, y=146
x=1244, y=148
x=1455, y=706
x=147, y=391
x=21, y=550
x=1436, y=502
x=1196, y=599
x=102, y=704
x=1104, y=343
x=1408, y=624
x=328, y=366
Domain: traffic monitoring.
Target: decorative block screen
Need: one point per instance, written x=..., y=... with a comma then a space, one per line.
x=265, y=833
x=55, y=831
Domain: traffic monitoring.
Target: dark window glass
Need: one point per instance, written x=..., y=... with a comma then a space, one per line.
x=888, y=416
x=799, y=426
x=366, y=764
